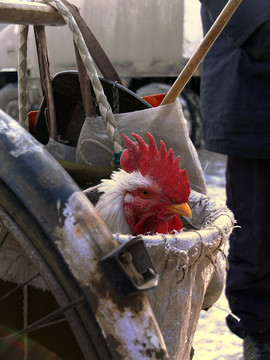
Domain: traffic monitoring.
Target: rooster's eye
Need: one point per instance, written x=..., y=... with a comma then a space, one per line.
x=145, y=194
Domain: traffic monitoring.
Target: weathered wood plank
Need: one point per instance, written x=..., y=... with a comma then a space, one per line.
x=28, y=12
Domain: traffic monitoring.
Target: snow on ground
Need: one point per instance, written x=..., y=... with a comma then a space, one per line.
x=213, y=340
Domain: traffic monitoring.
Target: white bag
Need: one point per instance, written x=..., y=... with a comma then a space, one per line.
x=60, y=150
x=165, y=123
x=191, y=271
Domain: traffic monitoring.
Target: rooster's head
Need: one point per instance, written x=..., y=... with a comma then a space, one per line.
x=160, y=191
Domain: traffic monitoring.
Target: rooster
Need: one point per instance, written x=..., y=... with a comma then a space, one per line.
x=149, y=193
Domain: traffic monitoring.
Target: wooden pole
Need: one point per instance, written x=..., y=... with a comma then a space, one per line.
x=45, y=78
x=202, y=50
x=29, y=13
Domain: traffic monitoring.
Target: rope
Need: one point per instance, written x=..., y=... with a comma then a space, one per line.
x=22, y=76
x=104, y=106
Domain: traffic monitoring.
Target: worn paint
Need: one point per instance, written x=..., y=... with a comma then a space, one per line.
x=129, y=325
x=75, y=239
x=14, y=134
x=124, y=330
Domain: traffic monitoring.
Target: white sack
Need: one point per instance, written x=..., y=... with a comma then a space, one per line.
x=165, y=123
x=61, y=150
x=191, y=272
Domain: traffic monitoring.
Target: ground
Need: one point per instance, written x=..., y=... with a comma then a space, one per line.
x=213, y=340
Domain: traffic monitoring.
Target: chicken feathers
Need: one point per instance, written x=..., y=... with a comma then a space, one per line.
x=148, y=194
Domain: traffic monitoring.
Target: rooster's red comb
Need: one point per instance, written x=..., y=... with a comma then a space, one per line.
x=160, y=165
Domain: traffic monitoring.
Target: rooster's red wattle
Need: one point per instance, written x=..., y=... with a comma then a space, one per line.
x=149, y=193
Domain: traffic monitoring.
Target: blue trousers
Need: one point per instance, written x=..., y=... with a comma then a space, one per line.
x=248, y=278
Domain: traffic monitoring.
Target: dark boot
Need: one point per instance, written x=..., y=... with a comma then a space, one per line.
x=257, y=346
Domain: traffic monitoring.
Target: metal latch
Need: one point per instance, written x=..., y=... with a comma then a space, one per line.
x=129, y=268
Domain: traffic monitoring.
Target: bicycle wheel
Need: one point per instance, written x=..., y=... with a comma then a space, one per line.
x=40, y=291
x=29, y=253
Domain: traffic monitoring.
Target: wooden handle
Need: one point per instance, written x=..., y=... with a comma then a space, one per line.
x=44, y=68
x=202, y=50
x=29, y=13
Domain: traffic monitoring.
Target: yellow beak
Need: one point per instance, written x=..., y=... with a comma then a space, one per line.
x=181, y=209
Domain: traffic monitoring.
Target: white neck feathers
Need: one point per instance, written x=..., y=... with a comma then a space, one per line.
x=110, y=204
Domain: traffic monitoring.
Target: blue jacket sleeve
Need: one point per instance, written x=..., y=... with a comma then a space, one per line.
x=250, y=16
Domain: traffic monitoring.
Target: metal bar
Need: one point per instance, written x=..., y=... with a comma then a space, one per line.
x=18, y=287
x=29, y=13
x=42, y=321
x=52, y=323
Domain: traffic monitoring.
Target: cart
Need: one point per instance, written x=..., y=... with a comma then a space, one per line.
x=67, y=291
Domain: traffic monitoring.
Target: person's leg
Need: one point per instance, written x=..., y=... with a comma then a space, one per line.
x=248, y=278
